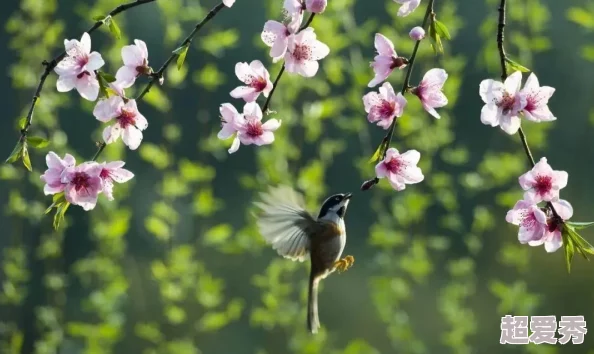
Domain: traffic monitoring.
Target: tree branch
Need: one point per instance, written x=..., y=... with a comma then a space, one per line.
x=503, y=62
x=159, y=74
x=388, y=137
x=51, y=65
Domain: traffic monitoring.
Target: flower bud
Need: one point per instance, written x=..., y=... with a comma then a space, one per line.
x=417, y=33
x=316, y=6
x=367, y=185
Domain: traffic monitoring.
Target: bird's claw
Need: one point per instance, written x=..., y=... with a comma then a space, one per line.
x=343, y=264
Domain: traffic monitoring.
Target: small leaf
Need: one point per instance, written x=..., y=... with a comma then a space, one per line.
x=181, y=56
x=103, y=85
x=16, y=152
x=569, y=249
x=26, y=160
x=22, y=123
x=114, y=29
x=60, y=212
x=37, y=142
x=99, y=18
x=442, y=30
x=582, y=245
x=107, y=76
x=577, y=225
x=377, y=155
x=515, y=66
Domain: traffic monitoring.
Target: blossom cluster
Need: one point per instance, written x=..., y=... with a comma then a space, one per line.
x=299, y=48
x=79, y=70
x=505, y=104
x=384, y=106
x=82, y=184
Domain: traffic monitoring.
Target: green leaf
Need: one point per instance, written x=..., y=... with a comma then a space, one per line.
x=99, y=18
x=442, y=30
x=377, y=155
x=513, y=66
x=22, y=123
x=582, y=245
x=569, y=248
x=37, y=142
x=26, y=159
x=181, y=55
x=103, y=86
x=16, y=152
x=577, y=225
x=108, y=77
x=114, y=29
x=60, y=213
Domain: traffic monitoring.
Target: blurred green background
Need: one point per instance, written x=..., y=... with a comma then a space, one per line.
x=175, y=264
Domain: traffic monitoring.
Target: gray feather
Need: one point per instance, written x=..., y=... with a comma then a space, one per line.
x=283, y=222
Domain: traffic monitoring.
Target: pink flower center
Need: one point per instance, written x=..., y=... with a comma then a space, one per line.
x=126, y=118
x=386, y=109
x=302, y=52
x=532, y=101
x=257, y=83
x=83, y=74
x=393, y=165
x=80, y=180
x=543, y=184
x=254, y=128
x=528, y=220
x=507, y=103
x=105, y=174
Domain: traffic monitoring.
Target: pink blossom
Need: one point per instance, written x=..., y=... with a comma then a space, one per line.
x=542, y=183
x=135, y=59
x=257, y=79
x=382, y=107
x=303, y=53
x=316, y=6
x=228, y=3
x=503, y=103
x=386, y=60
x=250, y=129
x=77, y=69
x=113, y=172
x=83, y=184
x=129, y=122
x=276, y=35
x=537, y=100
x=429, y=91
x=553, y=238
x=417, y=33
x=231, y=120
x=408, y=6
x=400, y=169
x=53, y=175
x=531, y=219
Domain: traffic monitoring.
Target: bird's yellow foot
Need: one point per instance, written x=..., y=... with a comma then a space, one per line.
x=343, y=264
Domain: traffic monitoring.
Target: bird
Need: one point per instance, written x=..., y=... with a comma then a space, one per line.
x=296, y=234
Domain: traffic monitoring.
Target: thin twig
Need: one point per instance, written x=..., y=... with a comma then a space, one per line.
x=159, y=74
x=503, y=61
x=51, y=65
x=282, y=70
x=405, y=86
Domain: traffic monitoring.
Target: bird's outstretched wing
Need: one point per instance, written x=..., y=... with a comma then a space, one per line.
x=284, y=222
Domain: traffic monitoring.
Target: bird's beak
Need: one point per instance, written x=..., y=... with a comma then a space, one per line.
x=348, y=196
